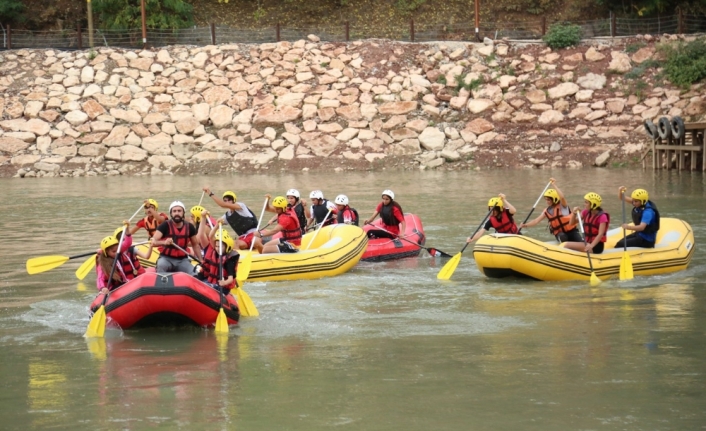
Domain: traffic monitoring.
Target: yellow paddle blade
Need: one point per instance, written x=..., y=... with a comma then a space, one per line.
x=36, y=265
x=626, y=267
x=247, y=307
x=96, y=327
x=221, y=322
x=595, y=281
x=243, y=271
x=448, y=270
x=85, y=268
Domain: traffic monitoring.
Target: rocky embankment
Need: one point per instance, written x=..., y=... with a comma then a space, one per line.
x=313, y=105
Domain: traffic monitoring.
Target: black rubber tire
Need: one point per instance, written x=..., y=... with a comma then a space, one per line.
x=678, y=128
x=651, y=129
x=664, y=128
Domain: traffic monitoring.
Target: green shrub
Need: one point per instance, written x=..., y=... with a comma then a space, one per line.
x=11, y=11
x=126, y=14
x=686, y=62
x=563, y=35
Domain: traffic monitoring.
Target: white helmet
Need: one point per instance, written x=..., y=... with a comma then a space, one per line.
x=316, y=194
x=293, y=192
x=390, y=193
x=177, y=204
x=341, y=200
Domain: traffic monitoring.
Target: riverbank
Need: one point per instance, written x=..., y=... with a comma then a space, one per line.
x=312, y=105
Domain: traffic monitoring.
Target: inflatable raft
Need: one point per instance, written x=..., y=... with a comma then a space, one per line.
x=387, y=249
x=166, y=299
x=335, y=250
x=500, y=255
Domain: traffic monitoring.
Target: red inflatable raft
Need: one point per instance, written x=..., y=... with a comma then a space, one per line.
x=386, y=249
x=166, y=299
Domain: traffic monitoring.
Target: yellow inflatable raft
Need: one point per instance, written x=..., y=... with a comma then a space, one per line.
x=500, y=255
x=335, y=250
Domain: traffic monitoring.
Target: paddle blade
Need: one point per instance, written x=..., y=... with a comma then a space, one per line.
x=626, y=267
x=595, y=281
x=222, y=322
x=244, y=266
x=96, y=327
x=85, y=268
x=448, y=270
x=36, y=265
x=247, y=307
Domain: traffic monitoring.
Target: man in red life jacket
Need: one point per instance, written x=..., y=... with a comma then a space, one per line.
x=287, y=223
x=501, y=218
x=180, y=232
x=152, y=219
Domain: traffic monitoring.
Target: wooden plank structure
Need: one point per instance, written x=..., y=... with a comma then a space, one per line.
x=683, y=151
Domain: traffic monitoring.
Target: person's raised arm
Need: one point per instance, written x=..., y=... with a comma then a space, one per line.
x=507, y=204
x=621, y=194
x=562, y=199
x=268, y=206
x=220, y=202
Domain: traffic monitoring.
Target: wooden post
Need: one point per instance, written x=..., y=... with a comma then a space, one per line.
x=144, y=24
x=680, y=21
x=213, y=34
x=544, y=25
x=89, y=12
x=277, y=32
x=411, y=29
x=79, y=36
x=9, y=37
x=348, y=31
x=613, y=32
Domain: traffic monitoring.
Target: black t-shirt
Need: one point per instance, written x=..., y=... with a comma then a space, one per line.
x=164, y=228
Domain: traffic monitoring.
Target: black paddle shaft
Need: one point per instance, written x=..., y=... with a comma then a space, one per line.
x=477, y=229
x=430, y=250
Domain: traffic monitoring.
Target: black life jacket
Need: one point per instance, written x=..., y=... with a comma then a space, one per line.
x=506, y=224
x=354, y=213
x=591, y=226
x=241, y=224
x=180, y=237
x=301, y=216
x=637, y=217
x=320, y=212
x=211, y=265
x=291, y=235
x=387, y=217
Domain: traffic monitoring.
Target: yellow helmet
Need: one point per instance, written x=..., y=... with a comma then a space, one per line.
x=553, y=195
x=118, y=231
x=228, y=242
x=231, y=194
x=108, y=242
x=153, y=202
x=196, y=212
x=640, y=195
x=495, y=202
x=595, y=199
x=279, y=202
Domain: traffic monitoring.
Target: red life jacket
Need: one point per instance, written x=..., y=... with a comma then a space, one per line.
x=349, y=213
x=506, y=224
x=291, y=232
x=211, y=265
x=591, y=226
x=180, y=238
x=557, y=222
x=130, y=264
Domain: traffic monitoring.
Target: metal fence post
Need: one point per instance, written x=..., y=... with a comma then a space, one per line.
x=79, y=36
x=411, y=29
x=9, y=37
x=277, y=32
x=213, y=34
x=544, y=25
x=348, y=31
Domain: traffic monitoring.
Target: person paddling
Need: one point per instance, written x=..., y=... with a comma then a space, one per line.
x=180, y=232
x=213, y=259
x=595, y=225
x=287, y=223
x=129, y=254
x=392, y=217
x=501, y=218
x=558, y=214
x=240, y=219
x=104, y=263
x=298, y=205
x=152, y=219
x=645, y=219
x=346, y=214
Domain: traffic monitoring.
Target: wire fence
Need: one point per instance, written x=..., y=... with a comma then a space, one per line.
x=408, y=31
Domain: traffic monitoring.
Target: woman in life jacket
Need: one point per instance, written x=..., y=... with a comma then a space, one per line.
x=595, y=225
x=298, y=205
x=391, y=215
x=219, y=255
x=129, y=254
x=501, y=218
x=645, y=219
x=104, y=265
x=558, y=214
x=323, y=211
x=346, y=214
x=287, y=223
x=152, y=219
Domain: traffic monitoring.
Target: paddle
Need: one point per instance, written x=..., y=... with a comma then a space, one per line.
x=221, y=320
x=88, y=265
x=432, y=251
x=625, y=262
x=96, y=327
x=595, y=281
x=535, y=204
x=317, y=230
x=40, y=264
x=448, y=269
